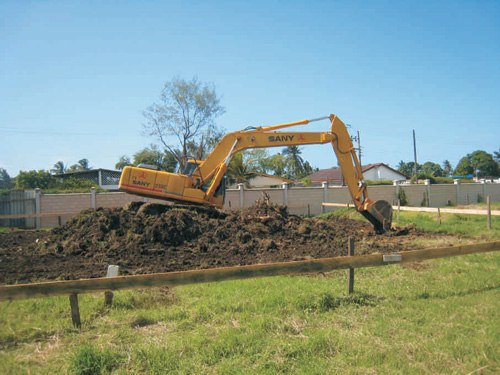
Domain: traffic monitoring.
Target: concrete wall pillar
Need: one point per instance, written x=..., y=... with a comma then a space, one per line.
x=241, y=187
x=285, y=194
x=428, y=185
x=38, y=210
x=324, y=185
x=457, y=184
x=92, y=198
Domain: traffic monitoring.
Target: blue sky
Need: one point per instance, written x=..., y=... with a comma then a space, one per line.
x=75, y=76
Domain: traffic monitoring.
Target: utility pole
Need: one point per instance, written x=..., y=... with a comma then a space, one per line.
x=415, y=154
x=359, y=150
x=357, y=139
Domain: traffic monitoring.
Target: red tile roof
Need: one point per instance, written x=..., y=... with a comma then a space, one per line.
x=335, y=174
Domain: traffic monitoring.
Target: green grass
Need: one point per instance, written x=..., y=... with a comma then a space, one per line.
x=440, y=316
x=469, y=226
x=474, y=226
x=435, y=317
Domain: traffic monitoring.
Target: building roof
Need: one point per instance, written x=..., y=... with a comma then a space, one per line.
x=271, y=176
x=335, y=174
x=88, y=171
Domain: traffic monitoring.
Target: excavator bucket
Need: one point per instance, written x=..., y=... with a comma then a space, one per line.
x=379, y=213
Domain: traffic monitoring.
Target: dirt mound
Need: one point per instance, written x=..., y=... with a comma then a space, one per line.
x=148, y=238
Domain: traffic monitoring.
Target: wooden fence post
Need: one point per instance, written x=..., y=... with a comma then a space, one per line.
x=351, y=270
x=108, y=296
x=75, y=311
x=399, y=208
x=488, y=204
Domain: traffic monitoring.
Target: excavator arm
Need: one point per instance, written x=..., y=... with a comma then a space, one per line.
x=191, y=186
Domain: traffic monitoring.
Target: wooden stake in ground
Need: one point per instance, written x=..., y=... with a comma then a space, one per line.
x=75, y=311
x=108, y=296
x=351, y=270
x=439, y=216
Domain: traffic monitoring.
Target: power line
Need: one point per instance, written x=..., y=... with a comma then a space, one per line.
x=49, y=132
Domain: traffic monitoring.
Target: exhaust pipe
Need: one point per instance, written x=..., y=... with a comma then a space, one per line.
x=379, y=213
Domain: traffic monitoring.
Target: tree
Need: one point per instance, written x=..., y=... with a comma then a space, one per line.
x=208, y=141
x=496, y=156
x=82, y=165
x=479, y=163
x=279, y=166
x=59, y=168
x=297, y=167
x=408, y=169
x=258, y=160
x=152, y=155
x=35, y=179
x=238, y=170
x=447, y=168
x=123, y=162
x=187, y=111
x=432, y=169
x=5, y=180
x=306, y=182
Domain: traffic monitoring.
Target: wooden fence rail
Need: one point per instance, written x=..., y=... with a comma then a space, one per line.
x=427, y=209
x=59, y=288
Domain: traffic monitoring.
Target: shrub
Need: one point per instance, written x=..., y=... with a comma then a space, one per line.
x=35, y=179
x=383, y=182
x=444, y=180
x=403, y=199
x=423, y=176
x=306, y=181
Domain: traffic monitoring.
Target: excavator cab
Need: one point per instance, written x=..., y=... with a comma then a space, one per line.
x=190, y=167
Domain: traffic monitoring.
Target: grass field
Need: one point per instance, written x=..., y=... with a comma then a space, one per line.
x=434, y=317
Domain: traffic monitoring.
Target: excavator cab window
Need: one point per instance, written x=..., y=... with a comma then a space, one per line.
x=190, y=168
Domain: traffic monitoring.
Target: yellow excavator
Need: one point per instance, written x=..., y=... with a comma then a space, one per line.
x=203, y=183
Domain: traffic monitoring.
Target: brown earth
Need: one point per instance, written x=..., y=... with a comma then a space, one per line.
x=149, y=238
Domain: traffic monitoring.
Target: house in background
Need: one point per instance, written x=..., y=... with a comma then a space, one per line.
x=262, y=180
x=372, y=172
x=104, y=178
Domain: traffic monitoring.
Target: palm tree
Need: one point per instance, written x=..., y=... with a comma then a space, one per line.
x=447, y=168
x=123, y=162
x=296, y=169
x=83, y=165
x=496, y=156
x=59, y=168
x=238, y=170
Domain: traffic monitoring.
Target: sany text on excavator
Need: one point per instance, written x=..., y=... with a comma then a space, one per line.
x=202, y=182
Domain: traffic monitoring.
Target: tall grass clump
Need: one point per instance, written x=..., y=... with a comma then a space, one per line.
x=89, y=360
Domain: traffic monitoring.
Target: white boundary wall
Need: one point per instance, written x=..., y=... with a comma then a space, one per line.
x=300, y=200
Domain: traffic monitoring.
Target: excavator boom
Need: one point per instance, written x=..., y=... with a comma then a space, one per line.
x=203, y=181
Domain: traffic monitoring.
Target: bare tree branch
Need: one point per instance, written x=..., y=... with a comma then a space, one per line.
x=186, y=111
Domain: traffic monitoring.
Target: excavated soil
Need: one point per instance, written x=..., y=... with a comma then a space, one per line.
x=150, y=238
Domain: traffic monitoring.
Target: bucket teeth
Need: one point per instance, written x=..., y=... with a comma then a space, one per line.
x=379, y=213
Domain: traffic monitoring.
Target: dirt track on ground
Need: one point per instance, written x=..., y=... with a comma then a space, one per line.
x=150, y=238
